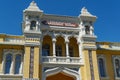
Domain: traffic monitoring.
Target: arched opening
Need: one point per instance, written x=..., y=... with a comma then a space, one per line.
x=33, y=25
x=60, y=46
x=8, y=63
x=73, y=47
x=60, y=76
x=47, y=46
x=117, y=65
x=101, y=67
x=87, y=29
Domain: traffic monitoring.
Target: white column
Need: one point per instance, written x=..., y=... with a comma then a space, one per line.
x=80, y=49
x=21, y=66
x=67, y=49
x=37, y=24
x=54, y=41
x=3, y=65
x=67, y=46
x=27, y=25
x=91, y=30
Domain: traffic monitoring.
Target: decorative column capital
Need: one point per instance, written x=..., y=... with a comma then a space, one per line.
x=54, y=40
x=66, y=40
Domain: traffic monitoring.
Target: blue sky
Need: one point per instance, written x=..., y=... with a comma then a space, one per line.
x=107, y=26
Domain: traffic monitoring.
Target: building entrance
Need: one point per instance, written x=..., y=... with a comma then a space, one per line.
x=60, y=76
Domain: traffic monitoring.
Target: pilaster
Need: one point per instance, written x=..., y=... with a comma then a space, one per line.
x=54, y=44
x=26, y=62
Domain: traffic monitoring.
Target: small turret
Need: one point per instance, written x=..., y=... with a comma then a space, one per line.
x=31, y=24
x=86, y=21
x=31, y=18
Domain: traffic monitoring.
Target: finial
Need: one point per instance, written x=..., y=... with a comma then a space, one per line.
x=84, y=10
x=33, y=1
x=33, y=7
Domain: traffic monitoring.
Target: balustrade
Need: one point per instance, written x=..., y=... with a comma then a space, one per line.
x=62, y=60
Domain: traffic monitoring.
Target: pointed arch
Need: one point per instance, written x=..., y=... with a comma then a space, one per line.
x=33, y=25
x=66, y=71
x=47, y=45
x=73, y=47
x=60, y=46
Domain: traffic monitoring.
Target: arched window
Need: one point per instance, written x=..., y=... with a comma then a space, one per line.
x=17, y=64
x=87, y=29
x=58, y=50
x=101, y=67
x=46, y=50
x=8, y=63
x=33, y=25
x=71, y=51
x=117, y=67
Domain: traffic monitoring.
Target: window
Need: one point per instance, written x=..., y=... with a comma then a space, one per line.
x=8, y=63
x=102, y=66
x=71, y=51
x=117, y=67
x=17, y=63
x=58, y=50
x=12, y=61
x=33, y=25
x=46, y=50
x=87, y=29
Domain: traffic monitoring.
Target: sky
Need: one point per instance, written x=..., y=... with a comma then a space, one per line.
x=106, y=27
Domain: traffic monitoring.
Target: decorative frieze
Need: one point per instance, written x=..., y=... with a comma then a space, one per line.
x=14, y=51
x=16, y=40
x=56, y=33
x=60, y=23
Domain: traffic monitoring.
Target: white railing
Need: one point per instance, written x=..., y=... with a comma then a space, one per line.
x=14, y=40
x=30, y=79
x=62, y=60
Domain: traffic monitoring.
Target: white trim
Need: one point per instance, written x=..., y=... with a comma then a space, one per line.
x=114, y=58
x=13, y=52
x=101, y=56
x=64, y=70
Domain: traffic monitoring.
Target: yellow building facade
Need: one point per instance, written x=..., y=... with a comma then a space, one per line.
x=55, y=47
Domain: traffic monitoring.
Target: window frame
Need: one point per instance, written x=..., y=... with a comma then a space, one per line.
x=13, y=52
x=101, y=56
x=114, y=58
